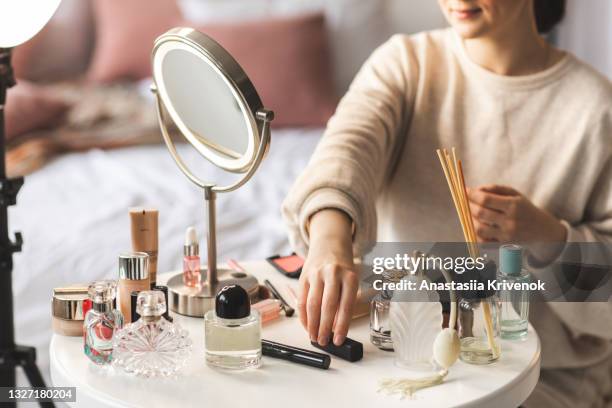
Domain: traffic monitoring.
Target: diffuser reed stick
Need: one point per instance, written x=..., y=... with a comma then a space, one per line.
x=453, y=171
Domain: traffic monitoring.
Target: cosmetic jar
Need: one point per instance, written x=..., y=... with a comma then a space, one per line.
x=68, y=308
x=133, y=276
x=232, y=332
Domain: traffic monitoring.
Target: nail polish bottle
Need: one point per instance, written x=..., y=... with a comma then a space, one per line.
x=152, y=346
x=514, y=302
x=133, y=276
x=191, y=259
x=232, y=332
x=101, y=322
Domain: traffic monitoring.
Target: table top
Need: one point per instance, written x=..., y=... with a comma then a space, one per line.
x=505, y=383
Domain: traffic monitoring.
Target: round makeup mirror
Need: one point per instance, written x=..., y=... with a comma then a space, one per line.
x=21, y=20
x=207, y=96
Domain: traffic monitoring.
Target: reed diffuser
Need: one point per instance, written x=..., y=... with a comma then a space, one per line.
x=453, y=171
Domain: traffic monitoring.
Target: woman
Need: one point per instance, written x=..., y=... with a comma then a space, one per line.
x=532, y=125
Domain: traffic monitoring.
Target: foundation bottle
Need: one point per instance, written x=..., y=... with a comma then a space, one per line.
x=133, y=277
x=145, y=236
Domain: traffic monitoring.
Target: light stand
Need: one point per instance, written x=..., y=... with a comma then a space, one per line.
x=11, y=355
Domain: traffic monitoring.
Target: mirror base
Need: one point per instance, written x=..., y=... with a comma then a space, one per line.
x=195, y=302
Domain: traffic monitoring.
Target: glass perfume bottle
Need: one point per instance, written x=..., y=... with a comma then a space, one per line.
x=152, y=346
x=101, y=322
x=232, y=332
x=514, y=302
x=380, y=324
x=191, y=259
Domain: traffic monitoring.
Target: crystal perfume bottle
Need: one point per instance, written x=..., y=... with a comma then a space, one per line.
x=101, y=322
x=514, y=302
x=191, y=259
x=380, y=324
x=232, y=332
x=152, y=346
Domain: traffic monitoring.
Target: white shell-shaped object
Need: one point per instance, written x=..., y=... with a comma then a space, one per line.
x=415, y=323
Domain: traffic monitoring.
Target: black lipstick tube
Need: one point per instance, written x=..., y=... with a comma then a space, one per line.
x=295, y=355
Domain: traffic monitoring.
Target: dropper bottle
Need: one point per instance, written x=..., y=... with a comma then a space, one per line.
x=191, y=259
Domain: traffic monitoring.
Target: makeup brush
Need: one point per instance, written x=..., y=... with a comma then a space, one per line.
x=289, y=311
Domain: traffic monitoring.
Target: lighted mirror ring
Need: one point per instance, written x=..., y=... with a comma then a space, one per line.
x=256, y=117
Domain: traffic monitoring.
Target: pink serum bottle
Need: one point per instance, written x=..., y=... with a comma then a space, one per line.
x=191, y=259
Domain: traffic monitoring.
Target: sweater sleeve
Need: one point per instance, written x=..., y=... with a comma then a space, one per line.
x=357, y=148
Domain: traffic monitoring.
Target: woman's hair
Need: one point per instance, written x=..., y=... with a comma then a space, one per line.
x=548, y=13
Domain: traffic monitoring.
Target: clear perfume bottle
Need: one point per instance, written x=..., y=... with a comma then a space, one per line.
x=101, y=322
x=152, y=346
x=191, y=259
x=232, y=332
x=380, y=324
x=514, y=302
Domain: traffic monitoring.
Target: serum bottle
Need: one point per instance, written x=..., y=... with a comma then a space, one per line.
x=101, y=322
x=232, y=333
x=514, y=302
x=191, y=259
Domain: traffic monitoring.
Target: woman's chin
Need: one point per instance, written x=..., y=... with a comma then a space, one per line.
x=469, y=30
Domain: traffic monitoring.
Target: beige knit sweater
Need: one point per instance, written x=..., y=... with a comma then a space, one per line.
x=548, y=135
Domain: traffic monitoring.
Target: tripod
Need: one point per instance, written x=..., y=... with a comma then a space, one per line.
x=11, y=355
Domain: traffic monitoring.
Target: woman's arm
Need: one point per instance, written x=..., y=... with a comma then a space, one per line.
x=331, y=210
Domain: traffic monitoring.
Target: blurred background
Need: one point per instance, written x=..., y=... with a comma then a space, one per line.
x=82, y=127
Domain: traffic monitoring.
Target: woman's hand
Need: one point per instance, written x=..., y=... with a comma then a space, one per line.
x=502, y=214
x=328, y=283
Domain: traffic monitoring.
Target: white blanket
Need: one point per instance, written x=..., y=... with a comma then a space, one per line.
x=73, y=215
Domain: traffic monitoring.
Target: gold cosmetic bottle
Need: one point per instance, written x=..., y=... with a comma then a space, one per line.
x=145, y=236
x=133, y=277
x=68, y=309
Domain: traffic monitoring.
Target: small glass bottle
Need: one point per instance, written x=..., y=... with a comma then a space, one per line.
x=479, y=329
x=380, y=325
x=514, y=302
x=232, y=332
x=152, y=346
x=191, y=259
x=101, y=322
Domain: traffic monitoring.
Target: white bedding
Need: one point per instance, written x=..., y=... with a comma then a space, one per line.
x=73, y=215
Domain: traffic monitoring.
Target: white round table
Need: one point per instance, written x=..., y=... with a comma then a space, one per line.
x=506, y=383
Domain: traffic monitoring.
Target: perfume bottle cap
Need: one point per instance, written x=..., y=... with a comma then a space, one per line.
x=232, y=302
x=151, y=303
x=134, y=266
x=191, y=247
x=511, y=259
x=103, y=291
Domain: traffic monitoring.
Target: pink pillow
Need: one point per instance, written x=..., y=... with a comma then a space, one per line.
x=125, y=31
x=288, y=60
x=31, y=107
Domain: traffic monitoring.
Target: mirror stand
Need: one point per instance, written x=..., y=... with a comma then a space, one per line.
x=196, y=302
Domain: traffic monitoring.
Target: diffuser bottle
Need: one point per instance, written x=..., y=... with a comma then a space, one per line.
x=191, y=259
x=514, y=302
x=232, y=332
x=152, y=346
x=101, y=322
x=479, y=319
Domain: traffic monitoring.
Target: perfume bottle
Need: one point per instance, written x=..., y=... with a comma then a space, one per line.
x=232, y=332
x=101, y=322
x=191, y=259
x=380, y=324
x=152, y=346
x=514, y=302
